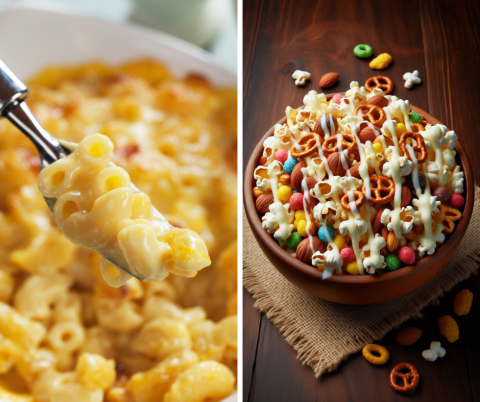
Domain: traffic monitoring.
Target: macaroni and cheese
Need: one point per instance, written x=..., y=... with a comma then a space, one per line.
x=65, y=334
x=98, y=209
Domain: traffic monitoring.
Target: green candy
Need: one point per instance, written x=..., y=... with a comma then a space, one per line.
x=294, y=240
x=393, y=262
x=415, y=117
x=362, y=51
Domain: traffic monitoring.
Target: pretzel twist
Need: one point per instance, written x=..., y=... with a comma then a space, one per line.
x=359, y=200
x=419, y=147
x=348, y=142
x=373, y=113
x=306, y=145
x=382, y=189
x=410, y=379
x=380, y=81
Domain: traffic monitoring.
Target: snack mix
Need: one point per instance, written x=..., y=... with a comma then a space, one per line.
x=360, y=183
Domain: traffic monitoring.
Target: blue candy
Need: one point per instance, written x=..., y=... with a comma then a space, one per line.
x=323, y=235
x=289, y=165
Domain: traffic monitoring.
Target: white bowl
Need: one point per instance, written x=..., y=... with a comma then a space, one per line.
x=35, y=36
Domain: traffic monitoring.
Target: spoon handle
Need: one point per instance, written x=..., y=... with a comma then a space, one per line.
x=13, y=92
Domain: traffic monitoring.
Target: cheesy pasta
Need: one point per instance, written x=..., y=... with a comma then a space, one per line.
x=98, y=209
x=65, y=334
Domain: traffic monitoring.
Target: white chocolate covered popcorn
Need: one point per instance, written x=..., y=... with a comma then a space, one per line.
x=411, y=78
x=300, y=77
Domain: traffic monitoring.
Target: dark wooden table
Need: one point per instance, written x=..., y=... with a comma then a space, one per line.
x=440, y=39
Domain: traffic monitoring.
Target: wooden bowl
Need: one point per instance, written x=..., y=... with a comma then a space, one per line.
x=356, y=289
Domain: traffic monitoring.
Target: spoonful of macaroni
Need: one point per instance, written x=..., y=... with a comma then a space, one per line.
x=96, y=205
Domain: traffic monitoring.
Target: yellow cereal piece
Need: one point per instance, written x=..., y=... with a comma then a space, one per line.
x=301, y=226
x=377, y=148
x=380, y=350
x=463, y=302
x=400, y=129
x=300, y=216
x=449, y=328
x=339, y=241
x=284, y=193
x=381, y=61
x=352, y=268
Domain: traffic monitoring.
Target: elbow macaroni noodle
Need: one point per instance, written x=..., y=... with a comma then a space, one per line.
x=65, y=334
x=98, y=209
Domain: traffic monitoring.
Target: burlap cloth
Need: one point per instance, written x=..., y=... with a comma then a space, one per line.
x=325, y=333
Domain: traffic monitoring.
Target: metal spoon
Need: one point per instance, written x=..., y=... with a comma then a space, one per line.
x=13, y=93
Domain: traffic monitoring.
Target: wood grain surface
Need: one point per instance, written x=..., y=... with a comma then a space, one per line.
x=440, y=39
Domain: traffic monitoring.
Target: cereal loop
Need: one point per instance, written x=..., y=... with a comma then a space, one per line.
x=410, y=379
x=348, y=143
x=359, y=200
x=377, y=360
x=380, y=81
x=419, y=147
x=306, y=145
x=373, y=113
x=382, y=189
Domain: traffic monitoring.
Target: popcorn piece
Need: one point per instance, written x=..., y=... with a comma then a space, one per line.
x=449, y=157
x=372, y=264
x=434, y=204
x=433, y=170
x=281, y=137
x=347, y=227
x=348, y=182
x=411, y=78
x=270, y=220
x=330, y=258
x=435, y=351
x=381, y=61
x=326, y=212
x=455, y=181
x=449, y=328
x=463, y=302
x=320, y=98
x=356, y=93
x=451, y=138
x=408, y=217
x=403, y=162
x=306, y=118
x=300, y=77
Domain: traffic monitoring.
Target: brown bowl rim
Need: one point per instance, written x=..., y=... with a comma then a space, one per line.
x=424, y=263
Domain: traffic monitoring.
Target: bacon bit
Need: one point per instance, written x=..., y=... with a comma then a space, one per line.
x=124, y=290
x=30, y=160
x=197, y=79
x=127, y=151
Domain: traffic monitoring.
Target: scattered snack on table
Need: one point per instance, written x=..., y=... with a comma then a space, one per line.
x=370, y=182
x=449, y=328
x=328, y=80
x=380, y=350
x=362, y=51
x=411, y=78
x=463, y=302
x=409, y=380
x=300, y=77
x=408, y=336
x=381, y=61
x=435, y=351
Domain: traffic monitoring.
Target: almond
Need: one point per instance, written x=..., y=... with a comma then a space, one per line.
x=406, y=196
x=377, y=224
x=392, y=241
x=327, y=121
x=297, y=175
x=310, y=182
x=355, y=173
x=408, y=336
x=328, y=80
x=378, y=100
x=263, y=202
x=367, y=134
x=335, y=164
x=263, y=161
x=284, y=179
x=304, y=251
